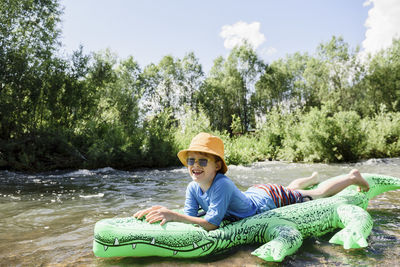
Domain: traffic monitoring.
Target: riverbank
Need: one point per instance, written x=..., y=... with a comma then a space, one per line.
x=316, y=136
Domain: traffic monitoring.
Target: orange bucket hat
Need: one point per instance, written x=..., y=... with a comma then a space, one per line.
x=206, y=143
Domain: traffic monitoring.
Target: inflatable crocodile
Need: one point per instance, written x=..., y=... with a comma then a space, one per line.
x=281, y=231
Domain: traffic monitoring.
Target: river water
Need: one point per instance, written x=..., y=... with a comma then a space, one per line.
x=47, y=219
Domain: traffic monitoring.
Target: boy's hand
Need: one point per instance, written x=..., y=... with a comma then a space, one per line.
x=155, y=214
x=160, y=213
x=139, y=214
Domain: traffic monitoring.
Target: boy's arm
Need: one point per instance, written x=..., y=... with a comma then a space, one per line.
x=160, y=213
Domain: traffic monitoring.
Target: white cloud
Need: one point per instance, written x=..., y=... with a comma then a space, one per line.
x=237, y=33
x=383, y=24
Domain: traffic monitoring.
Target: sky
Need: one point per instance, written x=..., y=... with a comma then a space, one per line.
x=148, y=30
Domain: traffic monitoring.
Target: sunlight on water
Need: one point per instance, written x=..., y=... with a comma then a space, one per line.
x=48, y=218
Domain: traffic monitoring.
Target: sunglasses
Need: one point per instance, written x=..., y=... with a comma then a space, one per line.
x=192, y=161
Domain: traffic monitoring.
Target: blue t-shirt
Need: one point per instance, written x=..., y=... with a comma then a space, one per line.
x=224, y=200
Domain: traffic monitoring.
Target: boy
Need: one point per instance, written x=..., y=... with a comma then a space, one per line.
x=217, y=195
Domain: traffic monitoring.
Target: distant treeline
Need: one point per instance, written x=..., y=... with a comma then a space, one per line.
x=95, y=110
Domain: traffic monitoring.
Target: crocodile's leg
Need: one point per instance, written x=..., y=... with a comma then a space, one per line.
x=284, y=241
x=357, y=225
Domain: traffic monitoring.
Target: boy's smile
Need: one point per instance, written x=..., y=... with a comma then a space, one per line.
x=197, y=172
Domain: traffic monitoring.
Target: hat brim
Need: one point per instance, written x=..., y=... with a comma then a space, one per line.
x=182, y=155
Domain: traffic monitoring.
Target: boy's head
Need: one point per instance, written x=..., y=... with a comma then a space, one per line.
x=205, y=143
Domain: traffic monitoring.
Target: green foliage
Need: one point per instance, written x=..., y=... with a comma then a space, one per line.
x=158, y=148
x=383, y=135
x=272, y=133
x=106, y=146
x=321, y=137
x=228, y=89
x=236, y=125
x=44, y=151
x=192, y=124
x=381, y=86
x=98, y=110
x=242, y=150
x=28, y=38
x=173, y=83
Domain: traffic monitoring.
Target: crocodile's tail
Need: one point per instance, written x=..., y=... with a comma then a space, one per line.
x=379, y=184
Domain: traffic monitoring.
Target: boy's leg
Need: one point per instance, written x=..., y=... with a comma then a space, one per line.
x=333, y=187
x=302, y=183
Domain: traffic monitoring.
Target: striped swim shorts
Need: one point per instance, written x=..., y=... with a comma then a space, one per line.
x=281, y=195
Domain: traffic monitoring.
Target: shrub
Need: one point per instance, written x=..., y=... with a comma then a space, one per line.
x=243, y=149
x=320, y=137
x=275, y=130
x=349, y=138
x=159, y=148
x=382, y=133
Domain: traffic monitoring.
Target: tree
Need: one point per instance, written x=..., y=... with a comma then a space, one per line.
x=273, y=88
x=192, y=80
x=333, y=73
x=382, y=83
x=229, y=87
x=244, y=63
x=171, y=84
x=118, y=91
x=213, y=99
x=28, y=39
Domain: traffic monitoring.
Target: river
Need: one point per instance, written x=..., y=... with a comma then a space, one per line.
x=47, y=219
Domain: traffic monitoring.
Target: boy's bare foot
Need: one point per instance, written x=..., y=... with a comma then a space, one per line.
x=314, y=179
x=363, y=185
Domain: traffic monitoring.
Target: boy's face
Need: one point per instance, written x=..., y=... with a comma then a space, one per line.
x=203, y=175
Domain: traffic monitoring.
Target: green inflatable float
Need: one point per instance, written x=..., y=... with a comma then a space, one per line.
x=281, y=231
